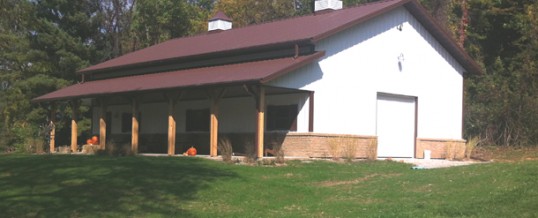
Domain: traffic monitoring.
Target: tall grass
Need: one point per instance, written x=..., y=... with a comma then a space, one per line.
x=250, y=150
x=225, y=149
x=470, y=146
x=350, y=150
x=333, y=146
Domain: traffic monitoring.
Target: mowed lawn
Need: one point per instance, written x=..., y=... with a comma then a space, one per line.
x=100, y=186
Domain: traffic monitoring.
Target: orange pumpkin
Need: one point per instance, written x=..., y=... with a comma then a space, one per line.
x=191, y=151
x=95, y=140
x=89, y=142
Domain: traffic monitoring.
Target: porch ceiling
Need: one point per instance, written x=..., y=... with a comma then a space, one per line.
x=249, y=72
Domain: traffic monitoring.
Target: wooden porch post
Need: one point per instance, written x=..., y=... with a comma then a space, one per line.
x=74, y=126
x=214, y=128
x=171, y=127
x=134, y=130
x=52, y=126
x=260, y=130
x=215, y=96
x=102, y=124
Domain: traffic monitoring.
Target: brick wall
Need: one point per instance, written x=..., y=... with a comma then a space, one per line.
x=328, y=145
x=441, y=148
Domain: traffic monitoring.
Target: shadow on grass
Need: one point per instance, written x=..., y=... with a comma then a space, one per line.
x=73, y=186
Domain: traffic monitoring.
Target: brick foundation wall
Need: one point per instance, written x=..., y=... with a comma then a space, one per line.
x=441, y=148
x=329, y=145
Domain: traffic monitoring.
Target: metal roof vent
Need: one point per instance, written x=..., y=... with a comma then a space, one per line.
x=321, y=5
x=219, y=22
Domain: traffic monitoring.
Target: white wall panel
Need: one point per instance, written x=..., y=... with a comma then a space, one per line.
x=362, y=61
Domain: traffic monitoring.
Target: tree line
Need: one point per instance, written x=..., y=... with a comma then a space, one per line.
x=44, y=42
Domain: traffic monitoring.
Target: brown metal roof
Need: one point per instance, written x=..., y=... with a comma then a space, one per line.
x=257, y=72
x=220, y=16
x=311, y=27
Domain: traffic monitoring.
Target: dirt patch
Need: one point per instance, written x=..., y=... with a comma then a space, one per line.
x=333, y=183
x=505, y=154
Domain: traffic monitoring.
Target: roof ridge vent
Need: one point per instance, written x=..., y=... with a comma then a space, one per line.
x=321, y=5
x=219, y=22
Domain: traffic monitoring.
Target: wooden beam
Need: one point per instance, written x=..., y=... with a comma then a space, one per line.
x=172, y=97
x=260, y=130
x=215, y=95
x=102, y=124
x=74, y=126
x=134, y=130
x=52, y=127
x=171, y=127
x=214, y=128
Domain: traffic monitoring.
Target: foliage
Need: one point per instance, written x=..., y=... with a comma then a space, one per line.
x=333, y=146
x=225, y=149
x=247, y=12
x=278, y=152
x=250, y=151
x=113, y=149
x=470, y=145
x=502, y=102
x=350, y=149
x=116, y=17
x=155, y=21
x=101, y=186
x=44, y=42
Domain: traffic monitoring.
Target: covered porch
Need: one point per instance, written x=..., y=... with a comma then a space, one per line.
x=169, y=112
x=171, y=122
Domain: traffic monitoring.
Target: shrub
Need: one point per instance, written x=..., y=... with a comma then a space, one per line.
x=278, y=152
x=64, y=149
x=20, y=133
x=113, y=149
x=470, y=146
x=90, y=149
x=266, y=162
x=250, y=152
x=350, y=151
x=225, y=149
x=333, y=145
x=34, y=145
x=7, y=140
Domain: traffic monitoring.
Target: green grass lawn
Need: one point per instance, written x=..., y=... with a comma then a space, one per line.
x=98, y=186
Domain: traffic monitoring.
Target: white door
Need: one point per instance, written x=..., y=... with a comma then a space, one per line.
x=396, y=126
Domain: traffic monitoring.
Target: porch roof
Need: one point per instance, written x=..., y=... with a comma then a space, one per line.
x=250, y=72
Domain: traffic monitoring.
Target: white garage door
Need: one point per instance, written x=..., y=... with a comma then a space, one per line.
x=395, y=126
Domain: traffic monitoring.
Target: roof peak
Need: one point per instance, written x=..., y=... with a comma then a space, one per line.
x=220, y=16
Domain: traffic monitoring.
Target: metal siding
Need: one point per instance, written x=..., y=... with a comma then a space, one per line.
x=363, y=61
